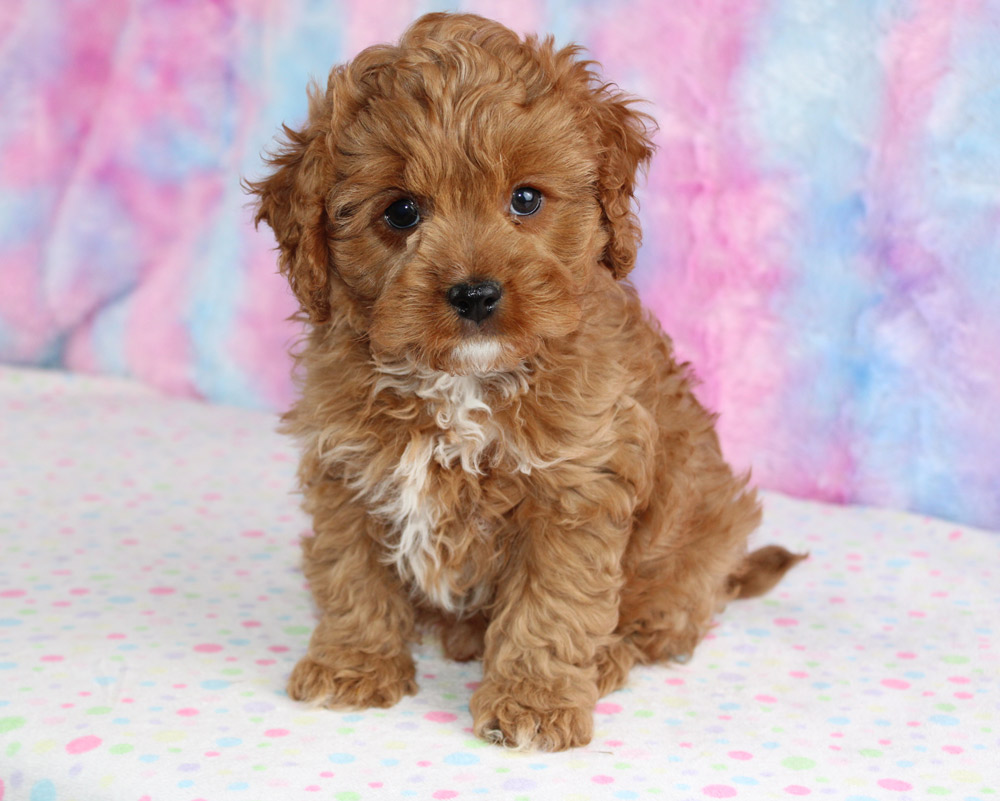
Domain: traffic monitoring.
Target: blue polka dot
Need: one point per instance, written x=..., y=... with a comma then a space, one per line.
x=771, y=745
x=838, y=721
x=104, y=681
x=943, y=720
x=461, y=758
x=185, y=783
x=8, y=665
x=744, y=780
x=758, y=632
x=9, y=621
x=390, y=763
x=237, y=786
x=148, y=758
x=121, y=599
x=238, y=641
x=341, y=759
x=228, y=742
x=214, y=684
x=43, y=791
x=729, y=707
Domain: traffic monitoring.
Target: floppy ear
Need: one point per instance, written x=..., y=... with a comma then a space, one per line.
x=292, y=200
x=625, y=137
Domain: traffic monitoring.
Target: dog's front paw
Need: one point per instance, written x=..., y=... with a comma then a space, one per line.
x=529, y=717
x=361, y=683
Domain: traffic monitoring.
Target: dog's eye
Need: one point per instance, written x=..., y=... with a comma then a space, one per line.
x=402, y=214
x=525, y=201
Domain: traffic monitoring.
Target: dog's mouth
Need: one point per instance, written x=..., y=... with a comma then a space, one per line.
x=479, y=355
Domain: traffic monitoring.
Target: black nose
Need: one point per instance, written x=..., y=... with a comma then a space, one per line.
x=475, y=301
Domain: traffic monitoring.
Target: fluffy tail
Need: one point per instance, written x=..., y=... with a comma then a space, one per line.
x=761, y=570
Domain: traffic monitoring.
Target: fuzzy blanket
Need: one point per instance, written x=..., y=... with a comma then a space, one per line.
x=820, y=221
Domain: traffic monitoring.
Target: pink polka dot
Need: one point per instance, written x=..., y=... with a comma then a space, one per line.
x=277, y=733
x=894, y=784
x=207, y=648
x=116, y=636
x=423, y=764
x=959, y=679
x=765, y=699
x=719, y=791
x=906, y=655
x=953, y=749
x=12, y=594
x=251, y=624
x=601, y=779
x=785, y=621
x=964, y=696
x=52, y=658
x=440, y=717
x=253, y=534
x=895, y=684
x=83, y=744
x=161, y=590
x=79, y=591
x=797, y=789
x=798, y=674
x=277, y=649
x=675, y=682
x=312, y=788
x=265, y=662
x=607, y=709
x=445, y=794
x=187, y=712
x=740, y=755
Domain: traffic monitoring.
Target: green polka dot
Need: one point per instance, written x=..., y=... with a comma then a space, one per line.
x=955, y=660
x=13, y=748
x=946, y=707
x=798, y=763
x=870, y=752
x=348, y=796
x=99, y=710
x=297, y=629
x=939, y=791
x=9, y=724
x=644, y=713
x=120, y=749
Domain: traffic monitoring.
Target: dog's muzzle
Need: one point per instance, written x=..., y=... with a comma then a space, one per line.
x=475, y=301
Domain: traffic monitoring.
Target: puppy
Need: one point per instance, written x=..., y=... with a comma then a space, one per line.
x=497, y=441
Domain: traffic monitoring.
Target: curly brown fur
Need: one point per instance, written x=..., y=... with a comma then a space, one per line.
x=540, y=486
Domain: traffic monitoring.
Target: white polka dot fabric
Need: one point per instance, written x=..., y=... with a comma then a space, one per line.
x=151, y=609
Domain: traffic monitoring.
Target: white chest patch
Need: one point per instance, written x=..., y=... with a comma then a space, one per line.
x=407, y=499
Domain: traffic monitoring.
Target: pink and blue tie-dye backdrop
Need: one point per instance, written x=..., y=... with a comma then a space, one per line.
x=822, y=219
